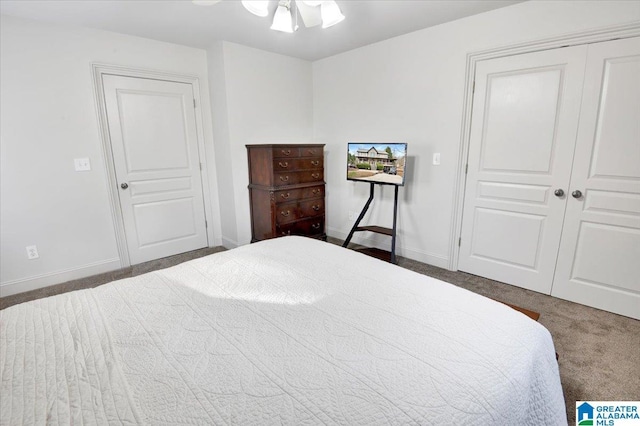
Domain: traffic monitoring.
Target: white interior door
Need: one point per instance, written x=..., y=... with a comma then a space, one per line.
x=599, y=258
x=524, y=120
x=153, y=135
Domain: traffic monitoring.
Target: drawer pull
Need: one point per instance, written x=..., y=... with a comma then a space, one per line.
x=316, y=226
x=316, y=191
x=284, y=178
x=316, y=207
x=286, y=152
x=285, y=214
x=285, y=196
x=315, y=175
x=283, y=165
x=315, y=163
x=312, y=151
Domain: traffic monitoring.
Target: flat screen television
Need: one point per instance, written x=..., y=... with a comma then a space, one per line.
x=377, y=162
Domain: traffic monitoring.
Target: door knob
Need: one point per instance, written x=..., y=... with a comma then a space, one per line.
x=124, y=185
x=576, y=194
x=558, y=192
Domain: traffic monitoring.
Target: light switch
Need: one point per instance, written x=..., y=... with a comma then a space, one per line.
x=436, y=159
x=82, y=164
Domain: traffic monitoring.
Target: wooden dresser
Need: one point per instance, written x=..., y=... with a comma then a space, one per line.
x=286, y=191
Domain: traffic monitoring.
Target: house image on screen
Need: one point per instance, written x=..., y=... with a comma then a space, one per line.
x=585, y=414
x=374, y=157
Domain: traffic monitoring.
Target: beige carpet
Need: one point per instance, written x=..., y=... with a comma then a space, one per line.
x=599, y=351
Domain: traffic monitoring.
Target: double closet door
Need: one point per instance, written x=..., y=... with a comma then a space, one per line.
x=552, y=197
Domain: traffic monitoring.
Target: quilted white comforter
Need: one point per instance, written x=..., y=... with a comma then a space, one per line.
x=287, y=331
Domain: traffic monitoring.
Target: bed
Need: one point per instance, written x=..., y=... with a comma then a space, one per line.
x=285, y=331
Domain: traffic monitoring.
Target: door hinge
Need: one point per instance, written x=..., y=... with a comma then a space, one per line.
x=473, y=89
x=466, y=169
x=459, y=241
x=206, y=225
x=194, y=103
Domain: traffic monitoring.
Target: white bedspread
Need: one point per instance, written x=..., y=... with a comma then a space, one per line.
x=287, y=331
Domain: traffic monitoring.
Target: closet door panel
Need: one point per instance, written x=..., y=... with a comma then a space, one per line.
x=523, y=132
x=599, y=257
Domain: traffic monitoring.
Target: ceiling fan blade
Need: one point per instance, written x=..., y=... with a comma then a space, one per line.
x=310, y=15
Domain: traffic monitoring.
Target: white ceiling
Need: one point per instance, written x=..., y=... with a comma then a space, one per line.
x=182, y=22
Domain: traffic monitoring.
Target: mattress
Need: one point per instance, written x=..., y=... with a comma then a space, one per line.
x=286, y=331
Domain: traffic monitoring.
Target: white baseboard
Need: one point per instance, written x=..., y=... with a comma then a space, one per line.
x=229, y=243
x=21, y=285
x=420, y=256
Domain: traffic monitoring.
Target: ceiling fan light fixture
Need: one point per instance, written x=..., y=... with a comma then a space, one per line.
x=257, y=7
x=330, y=13
x=282, y=20
x=310, y=14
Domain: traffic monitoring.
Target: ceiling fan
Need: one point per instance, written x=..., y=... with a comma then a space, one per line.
x=285, y=19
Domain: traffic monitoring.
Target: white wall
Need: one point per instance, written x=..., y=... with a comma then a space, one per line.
x=48, y=118
x=224, y=166
x=268, y=99
x=411, y=89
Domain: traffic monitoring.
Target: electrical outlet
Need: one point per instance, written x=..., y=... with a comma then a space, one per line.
x=436, y=159
x=32, y=252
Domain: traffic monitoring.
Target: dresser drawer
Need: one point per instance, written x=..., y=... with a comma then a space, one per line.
x=292, y=178
x=292, y=164
x=294, y=151
x=290, y=212
x=287, y=212
x=286, y=195
x=311, y=226
x=313, y=191
x=311, y=208
x=286, y=152
x=315, y=151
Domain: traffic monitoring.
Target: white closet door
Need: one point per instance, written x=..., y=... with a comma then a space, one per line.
x=525, y=115
x=599, y=259
x=155, y=151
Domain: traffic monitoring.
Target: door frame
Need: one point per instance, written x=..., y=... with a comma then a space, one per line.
x=572, y=39
x=97, y=71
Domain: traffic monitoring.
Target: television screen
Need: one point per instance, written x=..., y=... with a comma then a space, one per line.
x=377, y=162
